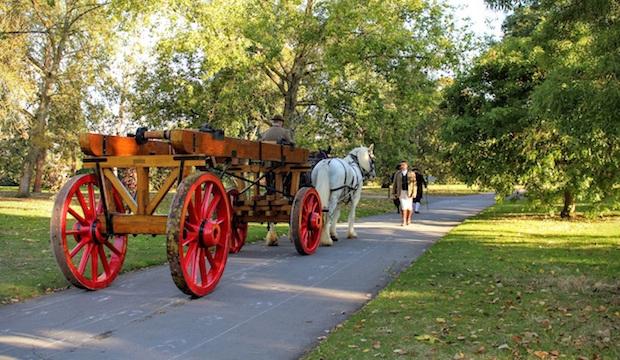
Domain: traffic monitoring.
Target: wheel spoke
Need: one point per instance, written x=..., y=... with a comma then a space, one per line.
x=189, y=255
x=193, y=212
x=94, y=266
x=212, y=206
x=210, y=257
x=203, y=267
x=104, y=260
x=198, y=198
x=91, y=199
x=77, y=216
x=112, y=248
x=84, y=259
x=196, y=261
x=82, y=201
x=72, y=232
x=207, y=201
x=78, y=247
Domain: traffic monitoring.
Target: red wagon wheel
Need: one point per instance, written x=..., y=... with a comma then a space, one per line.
x=89, y=258
x=198, y=230
x=306, y=220
x=239, y=227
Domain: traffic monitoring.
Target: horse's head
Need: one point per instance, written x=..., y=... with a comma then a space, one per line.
x=366, y=160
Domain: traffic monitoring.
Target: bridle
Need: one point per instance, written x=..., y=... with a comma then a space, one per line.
x=365, y=174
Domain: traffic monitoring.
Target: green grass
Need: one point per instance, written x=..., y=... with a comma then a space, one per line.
x=27, y=264
x=502, y=285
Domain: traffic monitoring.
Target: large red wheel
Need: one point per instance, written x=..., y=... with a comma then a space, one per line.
x=89, y=258
x=306, y=220
x=239, y=226
x=198, y=230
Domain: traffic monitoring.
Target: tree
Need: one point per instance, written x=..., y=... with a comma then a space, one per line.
x=54, y=43
x=342, y=72
x=538, y=108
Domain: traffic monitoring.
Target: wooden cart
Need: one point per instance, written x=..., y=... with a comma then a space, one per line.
x=95, y=212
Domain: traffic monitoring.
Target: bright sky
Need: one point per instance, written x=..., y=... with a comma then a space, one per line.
x=484, y=21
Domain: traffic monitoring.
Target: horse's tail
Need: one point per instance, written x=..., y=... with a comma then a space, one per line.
x=320, y=181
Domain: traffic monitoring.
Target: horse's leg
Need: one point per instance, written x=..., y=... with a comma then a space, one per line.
x=354, y=201
x=333, y=202
x=332, y=229
x=272, y=236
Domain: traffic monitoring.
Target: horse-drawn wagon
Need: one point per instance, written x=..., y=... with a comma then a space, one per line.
x=95, y=212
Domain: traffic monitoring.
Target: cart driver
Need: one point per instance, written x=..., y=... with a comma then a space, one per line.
x=277, y=132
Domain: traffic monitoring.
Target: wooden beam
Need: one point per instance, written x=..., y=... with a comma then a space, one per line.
x=122, y=190
x=109, y=145
x=138, y=224
x=142, y=189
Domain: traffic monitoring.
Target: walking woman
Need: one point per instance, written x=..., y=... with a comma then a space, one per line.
x=405, y=189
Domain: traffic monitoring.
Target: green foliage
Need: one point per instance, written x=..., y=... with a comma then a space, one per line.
x=539, y=108
x=343, y=73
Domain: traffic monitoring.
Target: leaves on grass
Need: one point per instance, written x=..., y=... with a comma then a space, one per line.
x=430, y=338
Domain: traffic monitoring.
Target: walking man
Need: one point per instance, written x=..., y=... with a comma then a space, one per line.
x=421, y=185
x=404, y=188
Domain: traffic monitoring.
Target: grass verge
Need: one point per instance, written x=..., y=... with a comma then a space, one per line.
x=502, y=285
x=27, y=264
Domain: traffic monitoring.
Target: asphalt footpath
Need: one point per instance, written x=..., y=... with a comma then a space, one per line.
x=270, y=304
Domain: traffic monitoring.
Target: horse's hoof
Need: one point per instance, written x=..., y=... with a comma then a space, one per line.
x=352, y=236
x=327, y=243
x=272, y=244
x=334, y=237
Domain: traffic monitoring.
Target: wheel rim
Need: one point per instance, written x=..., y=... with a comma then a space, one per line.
x=199, y=234
x=239, y=227
x=87, y=256
x=307, y=221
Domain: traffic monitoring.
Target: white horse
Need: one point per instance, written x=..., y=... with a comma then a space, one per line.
x=339, y=181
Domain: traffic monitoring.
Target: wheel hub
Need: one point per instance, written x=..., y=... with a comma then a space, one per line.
x=315, y=221
x=209, y=233
x=96, y=233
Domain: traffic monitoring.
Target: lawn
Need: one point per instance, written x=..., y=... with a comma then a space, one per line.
x=502, y=285
x=28, y=267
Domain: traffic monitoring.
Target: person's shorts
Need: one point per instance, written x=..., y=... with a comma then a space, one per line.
x=406, y=203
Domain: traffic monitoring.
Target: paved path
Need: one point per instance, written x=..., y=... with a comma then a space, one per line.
x=270, y=304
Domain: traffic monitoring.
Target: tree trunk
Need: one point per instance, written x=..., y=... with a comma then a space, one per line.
x=568, y=211
x=27, y=169
x=38, y=176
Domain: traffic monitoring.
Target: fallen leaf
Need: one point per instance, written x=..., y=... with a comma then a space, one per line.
x=554, y=353
x=427, y=337
x=440, y=320
x=503, y=347
x=460, y=337
x=458, y=356
x=481, y=350
x=399, y=351
x=541, y=354
x=376, y=344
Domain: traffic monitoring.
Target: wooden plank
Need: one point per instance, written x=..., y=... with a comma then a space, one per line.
x=138, y=224
x=142, y=189
x=143, y=161
x=110, y=145
x=195, y=142
x=163, y=190
x=295, y=182
x=122, y=190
